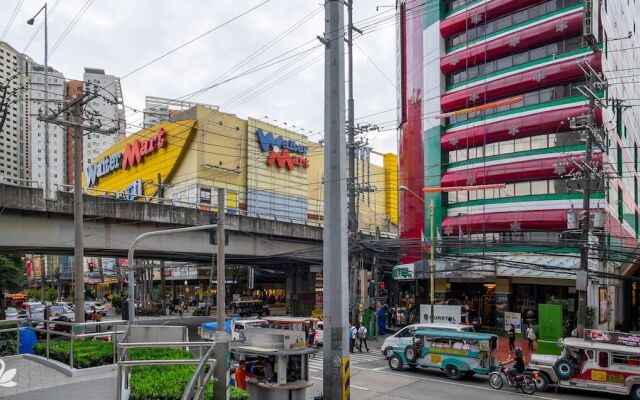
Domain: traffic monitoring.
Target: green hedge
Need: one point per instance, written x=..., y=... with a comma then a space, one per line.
x=86, y=354
x=8, y=340
x=167, y=382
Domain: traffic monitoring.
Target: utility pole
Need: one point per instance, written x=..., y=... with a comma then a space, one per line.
x=336, y=371
x=582, y=276
x=76, y=107
x=78, y=251
x=351, y=183
x=222, y=337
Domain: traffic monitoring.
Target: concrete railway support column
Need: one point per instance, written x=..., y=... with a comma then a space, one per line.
x=300, y=292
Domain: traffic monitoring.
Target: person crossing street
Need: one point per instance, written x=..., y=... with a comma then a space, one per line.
x=362, y=337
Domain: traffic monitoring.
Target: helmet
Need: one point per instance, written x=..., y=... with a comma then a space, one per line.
x=518, y=351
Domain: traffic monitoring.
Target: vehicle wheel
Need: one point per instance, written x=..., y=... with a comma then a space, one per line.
x=528, y=386
x=395, y=363
x=453, y=372
x=411, y=353
x=635, y=392
x=495, y=380
x=564, y=369
x=387, y=352
x=542, y=382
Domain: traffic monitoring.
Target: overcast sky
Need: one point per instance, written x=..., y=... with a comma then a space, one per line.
x=122, y=35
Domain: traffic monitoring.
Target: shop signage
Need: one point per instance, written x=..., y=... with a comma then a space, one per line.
x=403, y=272
x=285, y=159
x=513, y=318
x=280, y=150
x=441, y=314
x=625, y=339
x=134, y=190
x=134, y=154
x=269, y=142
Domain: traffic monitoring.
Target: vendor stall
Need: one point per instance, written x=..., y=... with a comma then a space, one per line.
x=276, y=363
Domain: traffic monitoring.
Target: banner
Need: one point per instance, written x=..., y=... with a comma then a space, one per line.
x=441, y=313
x=513, y=318
x=625, y=339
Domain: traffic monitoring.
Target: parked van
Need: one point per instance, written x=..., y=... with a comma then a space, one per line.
x=601, y=362
x=405, y=335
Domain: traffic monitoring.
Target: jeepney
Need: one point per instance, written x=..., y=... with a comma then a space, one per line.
x=458, y=354
x=601, y=362
x=245, y=306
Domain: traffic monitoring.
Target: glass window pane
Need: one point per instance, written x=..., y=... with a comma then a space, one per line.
x=539, y=187
x=508, y=191
x=488, y=194
x=523, y=188
x=546, y=95
x=504, y=63
x=520, y=58
x=490, y=150
x=506, y=147
x=462, y=197
x=473, y=195
x=523, y=144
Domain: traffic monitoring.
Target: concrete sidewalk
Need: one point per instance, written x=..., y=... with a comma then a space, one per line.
x=97, y=389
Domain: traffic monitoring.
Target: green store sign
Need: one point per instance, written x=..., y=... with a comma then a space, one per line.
x=403, y=272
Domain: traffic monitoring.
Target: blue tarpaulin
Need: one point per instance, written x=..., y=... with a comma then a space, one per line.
x=212, y=326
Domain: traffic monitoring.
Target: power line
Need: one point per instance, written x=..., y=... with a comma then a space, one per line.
x=11, y=19
x=71, y=25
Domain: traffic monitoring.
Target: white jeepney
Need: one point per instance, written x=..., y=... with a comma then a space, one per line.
x=602, y=362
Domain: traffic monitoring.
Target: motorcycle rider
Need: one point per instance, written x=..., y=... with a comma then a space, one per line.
x=518, y=365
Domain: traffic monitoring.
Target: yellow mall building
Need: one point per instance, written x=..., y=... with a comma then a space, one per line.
x=266, y=170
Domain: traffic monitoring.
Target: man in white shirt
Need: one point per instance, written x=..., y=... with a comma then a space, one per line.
x=362, y=337
x=353, y=331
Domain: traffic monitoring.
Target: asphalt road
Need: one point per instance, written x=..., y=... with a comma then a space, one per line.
x=371, y=378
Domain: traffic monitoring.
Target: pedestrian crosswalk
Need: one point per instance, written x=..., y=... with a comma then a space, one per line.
x=315, y=363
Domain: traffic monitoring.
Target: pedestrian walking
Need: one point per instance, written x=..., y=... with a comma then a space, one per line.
x=181, y=309
x=531, y=336
x=97, y=317
x=353, y=331
x=511, y=334
x=362, y=337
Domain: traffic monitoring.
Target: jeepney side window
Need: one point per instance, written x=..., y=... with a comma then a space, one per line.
x=625, y=358
x=591, y=354
x=603, y=359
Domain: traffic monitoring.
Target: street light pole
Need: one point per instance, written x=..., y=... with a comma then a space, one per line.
x=47, y=182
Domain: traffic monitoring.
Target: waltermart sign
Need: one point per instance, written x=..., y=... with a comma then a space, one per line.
x=134, y=154
x=280, y=150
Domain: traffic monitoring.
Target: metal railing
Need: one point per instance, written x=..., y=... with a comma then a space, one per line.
x=200, y=377
x=77, y=331
x=14, y=181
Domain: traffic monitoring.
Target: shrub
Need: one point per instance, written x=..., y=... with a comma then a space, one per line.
x=8, y=341
x=86, y=354
x=167, y=382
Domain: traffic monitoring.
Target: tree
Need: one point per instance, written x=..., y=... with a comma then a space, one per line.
x=11, y=275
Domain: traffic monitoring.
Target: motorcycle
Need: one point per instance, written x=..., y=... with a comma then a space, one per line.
x=524, y=382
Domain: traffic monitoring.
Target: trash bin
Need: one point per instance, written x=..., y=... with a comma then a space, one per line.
x=28, y=339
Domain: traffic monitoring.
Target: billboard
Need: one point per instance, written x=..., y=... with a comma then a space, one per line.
x=441, y=313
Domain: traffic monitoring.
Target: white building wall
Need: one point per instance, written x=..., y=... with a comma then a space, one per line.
x=57, y=134
x=14, y=137
x=108, y=111
x=620, y=65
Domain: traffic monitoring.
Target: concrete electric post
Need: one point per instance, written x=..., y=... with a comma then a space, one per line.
x=336, y=370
